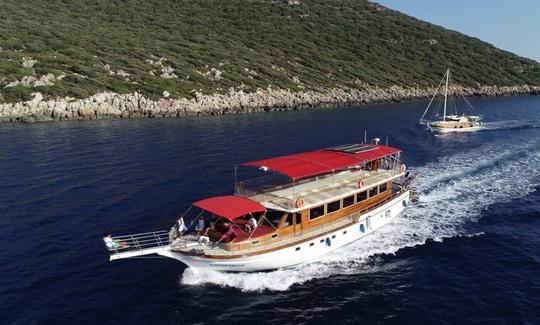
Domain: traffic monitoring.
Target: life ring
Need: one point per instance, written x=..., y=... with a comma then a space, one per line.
x=361, y=183
x=299, y=202
x=403, y=168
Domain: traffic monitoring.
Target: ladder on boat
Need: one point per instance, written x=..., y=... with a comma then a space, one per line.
x=139, y=244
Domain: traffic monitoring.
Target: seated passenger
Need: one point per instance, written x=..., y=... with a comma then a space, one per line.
x=199, y=229
x=251, y=224
x=229, y=236
x=113, y=244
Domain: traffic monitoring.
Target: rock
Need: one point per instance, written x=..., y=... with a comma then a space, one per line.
x=36, y=98
x=86, y=112
x=28, y=62
x=234, y=101
x=31, y=81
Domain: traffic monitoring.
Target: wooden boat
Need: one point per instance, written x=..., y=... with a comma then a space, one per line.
x=305, y=205
x=449, y=122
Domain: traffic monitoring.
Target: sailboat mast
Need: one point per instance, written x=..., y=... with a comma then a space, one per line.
x=446, y=94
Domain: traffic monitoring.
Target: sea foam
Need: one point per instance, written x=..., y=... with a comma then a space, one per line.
x=454, y=191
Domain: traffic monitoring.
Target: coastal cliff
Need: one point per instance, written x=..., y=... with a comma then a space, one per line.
x=113, y=105
x=82, y=59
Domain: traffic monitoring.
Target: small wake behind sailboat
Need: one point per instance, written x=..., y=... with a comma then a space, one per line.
x=451, y=122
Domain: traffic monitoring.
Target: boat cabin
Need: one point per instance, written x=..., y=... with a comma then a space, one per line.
x=298, y=197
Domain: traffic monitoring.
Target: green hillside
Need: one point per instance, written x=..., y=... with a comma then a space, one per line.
x=81, y=47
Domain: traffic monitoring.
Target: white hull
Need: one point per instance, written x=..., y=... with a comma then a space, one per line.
x=450, y=130
x=289, y=256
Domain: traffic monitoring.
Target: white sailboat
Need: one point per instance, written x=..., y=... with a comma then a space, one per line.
x=451, y=122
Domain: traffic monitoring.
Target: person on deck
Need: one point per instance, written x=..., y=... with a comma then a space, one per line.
x=228, y=236
x=199, y=229
x=113, y=244
x=251, y=224
x=180, y=224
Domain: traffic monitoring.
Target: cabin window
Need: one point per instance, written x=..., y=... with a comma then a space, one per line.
x=383, y=188
x=334, y=236
x=333, y=206
x=316, y=212
x=374, y=191
x=311, y=244
x=297, y=248
x=361, y=196
x=345, y=232
x=274, y=217
x=348, y=201
x=288, y=220
x=321, y=241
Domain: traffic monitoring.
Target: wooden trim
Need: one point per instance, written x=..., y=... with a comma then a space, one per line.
x=372, y=206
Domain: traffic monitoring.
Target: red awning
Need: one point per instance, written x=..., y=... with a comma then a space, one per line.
x=324, y=161
x=230, y=206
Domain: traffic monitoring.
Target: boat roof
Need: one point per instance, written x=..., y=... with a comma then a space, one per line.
x=230, y=206
x=313, y=163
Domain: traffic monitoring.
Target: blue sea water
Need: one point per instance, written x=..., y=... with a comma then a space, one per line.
x=468, y=252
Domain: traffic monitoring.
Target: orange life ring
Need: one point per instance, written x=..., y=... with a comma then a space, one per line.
x=361, y=183
x=403, y=168
x=299, y=202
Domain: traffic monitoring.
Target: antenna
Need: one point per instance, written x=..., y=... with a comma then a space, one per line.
x=365, y=136
x=387, y=141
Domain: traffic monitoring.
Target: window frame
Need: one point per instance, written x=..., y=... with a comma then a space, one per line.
x=315, y=208
x=348, y=197
x=358, y=196
x=385, y=188
x=338, y=202
x=374, y=188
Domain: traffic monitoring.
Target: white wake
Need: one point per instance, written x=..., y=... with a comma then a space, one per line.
x=455, y=191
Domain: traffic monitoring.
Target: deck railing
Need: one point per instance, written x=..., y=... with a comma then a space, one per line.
x=253, y=245
x=140, y=241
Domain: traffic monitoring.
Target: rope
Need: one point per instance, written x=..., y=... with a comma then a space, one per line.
x=432, y=98
x=466, y=101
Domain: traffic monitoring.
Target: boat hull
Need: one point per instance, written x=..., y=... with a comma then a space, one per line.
x=303, y=252
x=436, y=129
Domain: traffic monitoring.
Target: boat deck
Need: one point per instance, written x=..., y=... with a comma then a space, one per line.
x=323, y=189
x=188, y=244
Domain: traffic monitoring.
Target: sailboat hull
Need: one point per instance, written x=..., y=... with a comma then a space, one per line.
x=439, y=129
x=450, y=122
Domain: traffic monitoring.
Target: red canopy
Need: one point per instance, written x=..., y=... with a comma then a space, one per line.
x=324, y=161
x=230, y=206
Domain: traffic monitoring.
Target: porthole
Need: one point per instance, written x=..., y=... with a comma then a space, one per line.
x=328, y=242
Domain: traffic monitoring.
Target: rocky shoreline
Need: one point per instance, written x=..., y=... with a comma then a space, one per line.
x=112, y=105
